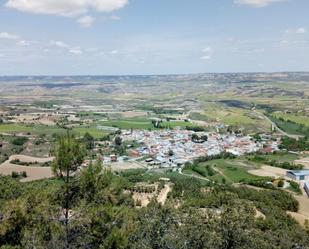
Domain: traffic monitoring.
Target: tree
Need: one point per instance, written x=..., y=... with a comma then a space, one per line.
x=171, y=152
x=118, y=141
x=194, y=137
x=69, y=154
x=19, y=141
x=89, y=141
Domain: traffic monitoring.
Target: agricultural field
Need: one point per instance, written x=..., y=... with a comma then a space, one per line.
x=297, y=118
x=281, y=157
x=146, y=124
x=94, y=131
x=289, y=126
x=29, y=128
x=226, y=171
x=233, y=171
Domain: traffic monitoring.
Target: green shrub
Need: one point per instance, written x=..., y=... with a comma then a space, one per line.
x=19, y=141
x=15, y=174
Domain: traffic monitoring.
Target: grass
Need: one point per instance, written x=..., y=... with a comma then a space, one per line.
x=129, y=124
x=281, y=157
x=289, y=127
x=293, y=117
x=140, y=123
x=93, y=131
x=36, y=129
x=232, y=171
x=48, y=130
x=235, y=117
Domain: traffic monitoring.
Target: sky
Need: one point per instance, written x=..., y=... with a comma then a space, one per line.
x=137, y=37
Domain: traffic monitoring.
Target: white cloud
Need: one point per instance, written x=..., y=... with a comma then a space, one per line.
x=6, y=35
x=207, y=50
x=114, y=51
x=258, y=3
x=59, y=44
x=69, y=8
x=206, y=57
x=115, y=18
x=25, y=43
x=1, y=55
x=299, y=30
x=86, y=21
x=75, y=51
x=207, y=53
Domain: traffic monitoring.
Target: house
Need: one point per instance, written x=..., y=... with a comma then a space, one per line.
x=306, y=187
x=299, y=175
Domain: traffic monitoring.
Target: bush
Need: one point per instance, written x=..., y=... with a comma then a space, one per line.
x=15, y=174
x=295, y=187
x=19, y=141
x=280, y=184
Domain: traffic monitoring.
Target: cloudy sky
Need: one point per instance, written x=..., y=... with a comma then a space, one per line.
x=112, y=37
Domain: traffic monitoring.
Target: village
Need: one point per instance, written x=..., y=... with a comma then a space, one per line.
x=173, y=148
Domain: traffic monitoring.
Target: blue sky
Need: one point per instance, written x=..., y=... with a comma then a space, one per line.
x=112, y=37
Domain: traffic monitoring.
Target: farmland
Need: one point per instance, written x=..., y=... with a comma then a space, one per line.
x=138, y=123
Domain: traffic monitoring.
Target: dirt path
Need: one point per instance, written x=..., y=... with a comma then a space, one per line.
x=221, y=173
x=163, y=194
x=33, y=173
x=268, y=171
x=30, y=159
x=194, y=176
x=303, y=161
x=303, y=206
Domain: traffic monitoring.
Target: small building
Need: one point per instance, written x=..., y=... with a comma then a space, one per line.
x=148, y=160
x=299, y=175
x=306, y=187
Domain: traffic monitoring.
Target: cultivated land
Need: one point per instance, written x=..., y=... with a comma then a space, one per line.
x=33, y=172
x=145, y=128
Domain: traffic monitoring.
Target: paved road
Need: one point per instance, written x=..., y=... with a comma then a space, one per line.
x=282, y=132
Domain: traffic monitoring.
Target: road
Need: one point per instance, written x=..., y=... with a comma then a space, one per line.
x=282, y=132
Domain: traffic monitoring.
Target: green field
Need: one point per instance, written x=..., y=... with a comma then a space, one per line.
x=36, y=129
x=293, y=117
x=289, y=127
x=96, y=133
x=281, y=157
x=232, y=171
x=140, y=123
x=48, y=130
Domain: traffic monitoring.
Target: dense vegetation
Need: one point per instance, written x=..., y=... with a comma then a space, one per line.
x=291, y=144
x=290, y=126
x=91, y=209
